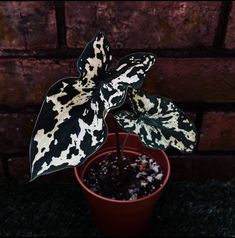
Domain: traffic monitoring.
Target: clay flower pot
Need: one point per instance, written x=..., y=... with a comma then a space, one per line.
x=118, y=217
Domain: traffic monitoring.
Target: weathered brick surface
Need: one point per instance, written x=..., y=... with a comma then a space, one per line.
x=15, y=132
x=218, y=132
x=230, y=35
x=195, y=80
x=27, y=25
x=201, y=167
x=27, y=81
x=81, y=22
x=143, y=24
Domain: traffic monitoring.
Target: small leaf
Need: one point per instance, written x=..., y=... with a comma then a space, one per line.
x=158, y=122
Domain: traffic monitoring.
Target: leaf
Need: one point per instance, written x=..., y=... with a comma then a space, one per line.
x=70, y=126
x=95, y=60
x=158, y=122
x=134, y=66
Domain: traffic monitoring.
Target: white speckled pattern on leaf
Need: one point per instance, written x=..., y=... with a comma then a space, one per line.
x=158, y=122
x=70, y=126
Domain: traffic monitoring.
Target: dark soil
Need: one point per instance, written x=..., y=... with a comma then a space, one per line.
x=126, y=178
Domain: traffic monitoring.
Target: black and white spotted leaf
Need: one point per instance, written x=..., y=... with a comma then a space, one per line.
x=134, y=66
x=70, y=126
x=158, y=122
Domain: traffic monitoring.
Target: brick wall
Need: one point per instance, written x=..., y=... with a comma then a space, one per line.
x=195, y=44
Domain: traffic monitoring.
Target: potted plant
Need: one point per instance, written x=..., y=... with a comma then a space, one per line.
x=122, y=174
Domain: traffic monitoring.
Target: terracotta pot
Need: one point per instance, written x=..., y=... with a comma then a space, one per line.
x=117, y=217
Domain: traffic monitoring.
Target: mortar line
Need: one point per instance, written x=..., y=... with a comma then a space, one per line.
x=221, y=29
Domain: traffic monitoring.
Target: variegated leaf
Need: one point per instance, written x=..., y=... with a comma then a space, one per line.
x=133, y=66
x=158, y=122
x=70, y=126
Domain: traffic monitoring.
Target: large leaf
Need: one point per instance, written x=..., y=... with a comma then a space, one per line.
x=158, y=122
x=70, y=126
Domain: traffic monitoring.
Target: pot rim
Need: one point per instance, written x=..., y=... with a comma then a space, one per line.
x=76, y=169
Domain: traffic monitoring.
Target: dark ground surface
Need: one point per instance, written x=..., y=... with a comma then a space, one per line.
x=60, y=209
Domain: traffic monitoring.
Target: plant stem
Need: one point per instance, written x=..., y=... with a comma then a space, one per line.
x=124, y=143
x=118, y=144
x=119, y=155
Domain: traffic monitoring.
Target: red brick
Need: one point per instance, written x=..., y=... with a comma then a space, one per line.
x=80, y=22
x=27, y=81
x=230, y=35
x=15, y=132
x=200, y=168
x=143, y=24
x=218, y=132
x=193, y=80
x=27, y=25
